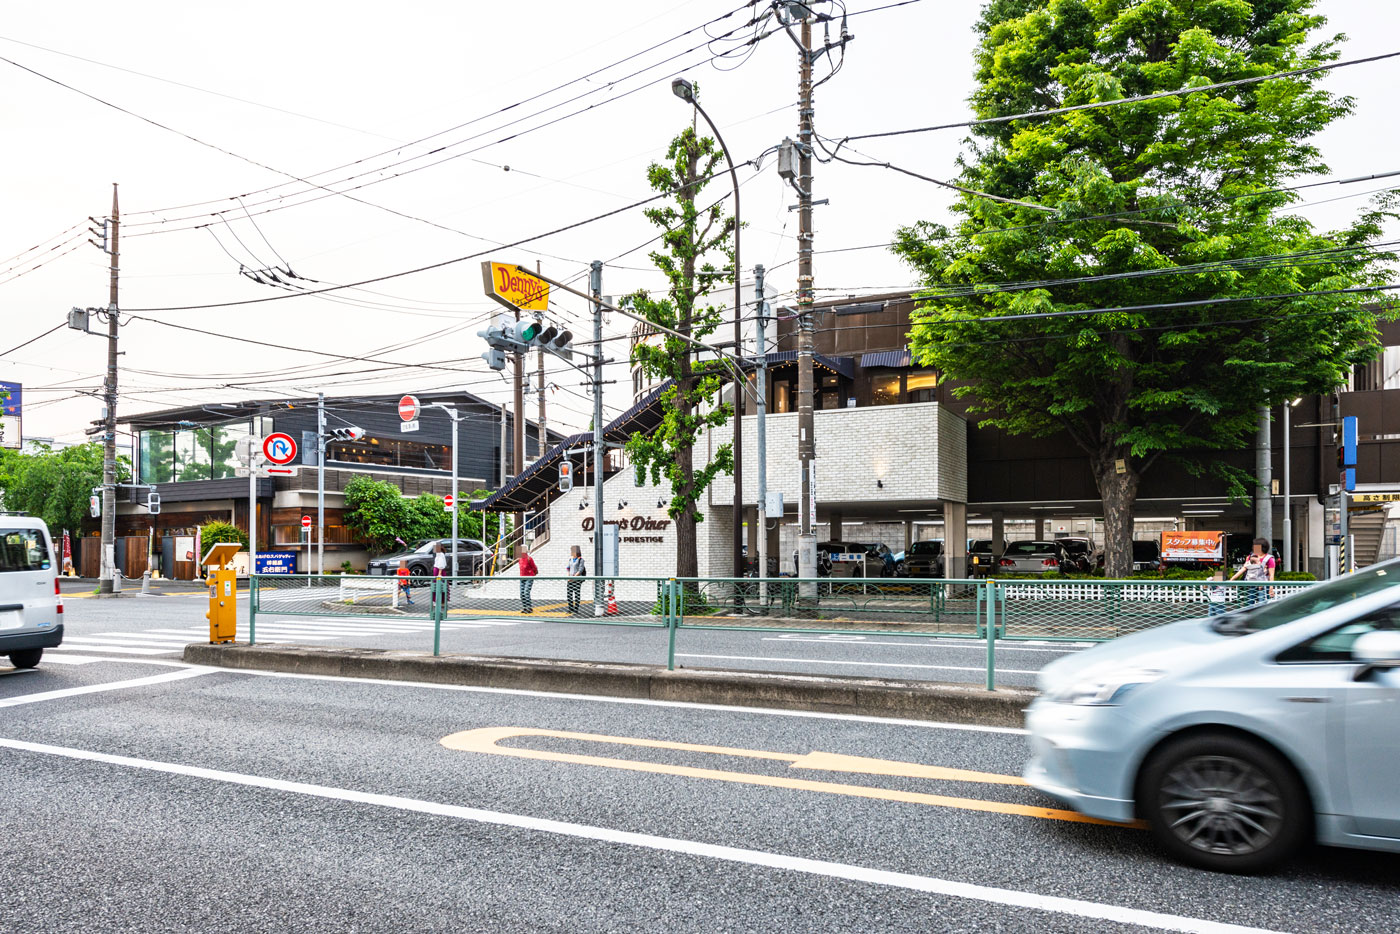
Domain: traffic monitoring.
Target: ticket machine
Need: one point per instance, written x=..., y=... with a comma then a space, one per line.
x=223, y=589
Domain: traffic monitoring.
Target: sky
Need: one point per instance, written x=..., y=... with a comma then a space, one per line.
x=451, y=128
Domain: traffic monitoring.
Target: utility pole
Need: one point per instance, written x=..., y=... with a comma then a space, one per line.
x=806, y=440
x=501, y=516
x=1264, y=471
x=760, y=320
x=544, y=436
x=109, y=436
x=320, y=483
x=518, y=435
x=595, y=284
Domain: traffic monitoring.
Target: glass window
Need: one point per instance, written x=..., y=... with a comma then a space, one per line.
x=224, y=448
x=920, y=385
x=157, y=457
x=1335, y=646
x=1314, y=599
x=782, y=396
x=884, y=390
x=23, y=550
x=391, y=452
x=192, y=455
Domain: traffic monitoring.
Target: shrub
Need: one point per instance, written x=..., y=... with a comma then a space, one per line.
x=1295, y=576
x=218, y=533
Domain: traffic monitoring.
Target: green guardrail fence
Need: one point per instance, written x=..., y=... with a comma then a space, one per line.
x=1005, y=611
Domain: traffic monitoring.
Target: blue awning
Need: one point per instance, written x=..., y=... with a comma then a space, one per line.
x=885, y=358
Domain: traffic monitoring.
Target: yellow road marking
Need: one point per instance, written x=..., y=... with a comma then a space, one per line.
x=485, y=740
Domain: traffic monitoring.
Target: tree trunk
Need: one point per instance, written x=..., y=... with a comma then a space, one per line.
x=1118, y=492
x=687, y=554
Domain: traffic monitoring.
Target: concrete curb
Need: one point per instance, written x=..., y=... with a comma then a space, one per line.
x=915, y=700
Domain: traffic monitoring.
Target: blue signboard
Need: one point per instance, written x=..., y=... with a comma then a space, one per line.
x=276, y=562
x=1349, y=441
x=10, y=405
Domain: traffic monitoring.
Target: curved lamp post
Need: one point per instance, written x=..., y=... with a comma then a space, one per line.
x=686, y=92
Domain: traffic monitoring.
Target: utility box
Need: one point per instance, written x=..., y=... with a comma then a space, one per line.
x=223, y=589
x=610, y=551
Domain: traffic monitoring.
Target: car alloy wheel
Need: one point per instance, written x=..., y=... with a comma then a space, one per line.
x=1224, y=802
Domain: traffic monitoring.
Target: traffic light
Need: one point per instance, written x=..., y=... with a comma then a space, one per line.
x=566, y=476
x=556, y=341
x=95, y=505
x=495, y=358
x=350, y=433
x=503, y=340
x=153, y=502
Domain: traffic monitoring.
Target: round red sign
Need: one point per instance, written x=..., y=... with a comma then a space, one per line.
x=447, y=500
x=306, y=522
x=408, y=408
x=279, y=448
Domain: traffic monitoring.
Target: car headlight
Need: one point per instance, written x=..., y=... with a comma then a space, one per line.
x=1106, y=689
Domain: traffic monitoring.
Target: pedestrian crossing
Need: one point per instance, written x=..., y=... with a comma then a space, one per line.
x=270, y=630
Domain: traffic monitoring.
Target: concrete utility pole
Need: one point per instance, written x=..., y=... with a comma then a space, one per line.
x=1264, y=471
x=501, y=516
x=1288, y=486
x=320, y=483
x=544, y=436
x=760, y=321
x=806, y=440
x=595, y=284
x=109, y=429
x=518, y=435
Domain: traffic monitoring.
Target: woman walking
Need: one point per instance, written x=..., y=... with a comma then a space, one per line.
x=440, y=570
x=528, y=570
x=575, y=569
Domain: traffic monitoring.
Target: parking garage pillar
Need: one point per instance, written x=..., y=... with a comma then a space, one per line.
x=1040, y=528
x=955, y=539
x=835, y=520
x=998, y=533
x=908, y=534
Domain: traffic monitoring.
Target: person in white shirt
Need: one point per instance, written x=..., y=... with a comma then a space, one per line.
x=440, y=568
x=575, y=569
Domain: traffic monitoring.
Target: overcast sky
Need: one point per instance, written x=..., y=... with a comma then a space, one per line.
x=304, y=88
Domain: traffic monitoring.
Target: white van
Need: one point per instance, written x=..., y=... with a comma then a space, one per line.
x=31, y=610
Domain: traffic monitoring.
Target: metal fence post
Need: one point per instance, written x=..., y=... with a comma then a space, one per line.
x=252, y=609
x=439, y=593
x=672, y=620
x=991, y=635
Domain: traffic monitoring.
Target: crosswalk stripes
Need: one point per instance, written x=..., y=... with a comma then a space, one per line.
x=272, y=630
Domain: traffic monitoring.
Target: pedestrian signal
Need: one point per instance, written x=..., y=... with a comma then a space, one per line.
x=566, y=477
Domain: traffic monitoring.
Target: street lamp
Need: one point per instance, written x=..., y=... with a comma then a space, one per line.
x=686, y=92
x=1288, y=488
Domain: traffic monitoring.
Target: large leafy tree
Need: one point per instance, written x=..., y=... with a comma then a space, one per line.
x=1172, y=200
x=55, y=485
x=691, y=235
x=379, y=515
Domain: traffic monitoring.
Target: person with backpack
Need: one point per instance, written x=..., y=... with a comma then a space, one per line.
x=1259, y=567
x=528, y=570
x=576, y=570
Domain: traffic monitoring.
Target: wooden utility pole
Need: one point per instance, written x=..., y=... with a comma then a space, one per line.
x=806, y=426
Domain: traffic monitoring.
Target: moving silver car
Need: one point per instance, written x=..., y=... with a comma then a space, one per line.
x=1240, y=737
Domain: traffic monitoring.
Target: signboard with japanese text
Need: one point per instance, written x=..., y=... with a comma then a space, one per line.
x=11, y=411
x=514, y=288
x=1193, y=546
x=276, y=562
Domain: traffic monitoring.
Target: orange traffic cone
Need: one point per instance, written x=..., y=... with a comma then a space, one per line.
x=612, y=601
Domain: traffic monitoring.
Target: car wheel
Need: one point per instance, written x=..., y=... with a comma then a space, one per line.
x=26, y=658
x=1224, y=803
x=419, y=574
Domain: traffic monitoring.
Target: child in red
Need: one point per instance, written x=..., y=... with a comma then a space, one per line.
x=404, y=586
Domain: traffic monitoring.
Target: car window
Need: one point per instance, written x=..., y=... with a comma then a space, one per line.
x=1335, y=645
x=1076, y=547
x=926, y=548
x=1145, y=551
x=23, y=550
x=1314, y=599
x=1028, y=548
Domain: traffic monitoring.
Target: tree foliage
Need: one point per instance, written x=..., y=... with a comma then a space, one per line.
x=691, y=234
x=1149, y=203
x=379, y=515
x=217, y=533
x=55, y=485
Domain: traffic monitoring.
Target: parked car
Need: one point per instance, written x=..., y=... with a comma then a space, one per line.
x=1030, y=558
x=31, y=610
x=879, y=556
x=1079, y=555
x=472, y=557
x=981, y=561
x=924, y=559
x=1239, y=737
x=1147, y=555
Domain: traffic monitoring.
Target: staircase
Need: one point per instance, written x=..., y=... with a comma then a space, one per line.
x=1366, y=531
x=533, y=534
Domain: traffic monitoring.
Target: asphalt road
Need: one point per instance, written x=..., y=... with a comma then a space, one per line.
x=145, y=795
x=157, y=627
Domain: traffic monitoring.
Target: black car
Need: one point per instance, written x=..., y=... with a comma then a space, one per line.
x=1078, y=555
x=472, y=557
x=924, y=559
x=981, y=561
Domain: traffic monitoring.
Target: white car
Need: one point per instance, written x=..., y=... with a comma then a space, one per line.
x=31, y=610
x=1240, y=737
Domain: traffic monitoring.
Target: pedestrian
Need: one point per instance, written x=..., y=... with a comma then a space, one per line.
x=1258, y=568
x=405, y=587
x=576, y=570
x=527, y=580
x=440, y=570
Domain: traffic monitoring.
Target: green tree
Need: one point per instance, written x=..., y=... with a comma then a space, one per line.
x=378, y=514
x=217, y=533
x=690, y=235
x=1150, y=203
x=55, y=485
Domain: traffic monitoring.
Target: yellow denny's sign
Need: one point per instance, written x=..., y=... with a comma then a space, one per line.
x=507, y=284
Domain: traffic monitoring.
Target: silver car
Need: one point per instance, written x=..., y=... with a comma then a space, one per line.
x=1031, y=557
x=1238, y=738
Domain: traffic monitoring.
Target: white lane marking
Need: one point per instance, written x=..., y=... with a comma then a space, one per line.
x=72, y=660
x=85, y=646
x=640, y=701
x=189, y=672
x=822, y=661
x=972, y=644
x=1012, y=898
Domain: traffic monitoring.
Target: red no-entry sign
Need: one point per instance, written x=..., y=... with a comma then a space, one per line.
x=408, y=408
x=447, y=500
x=306, y=522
